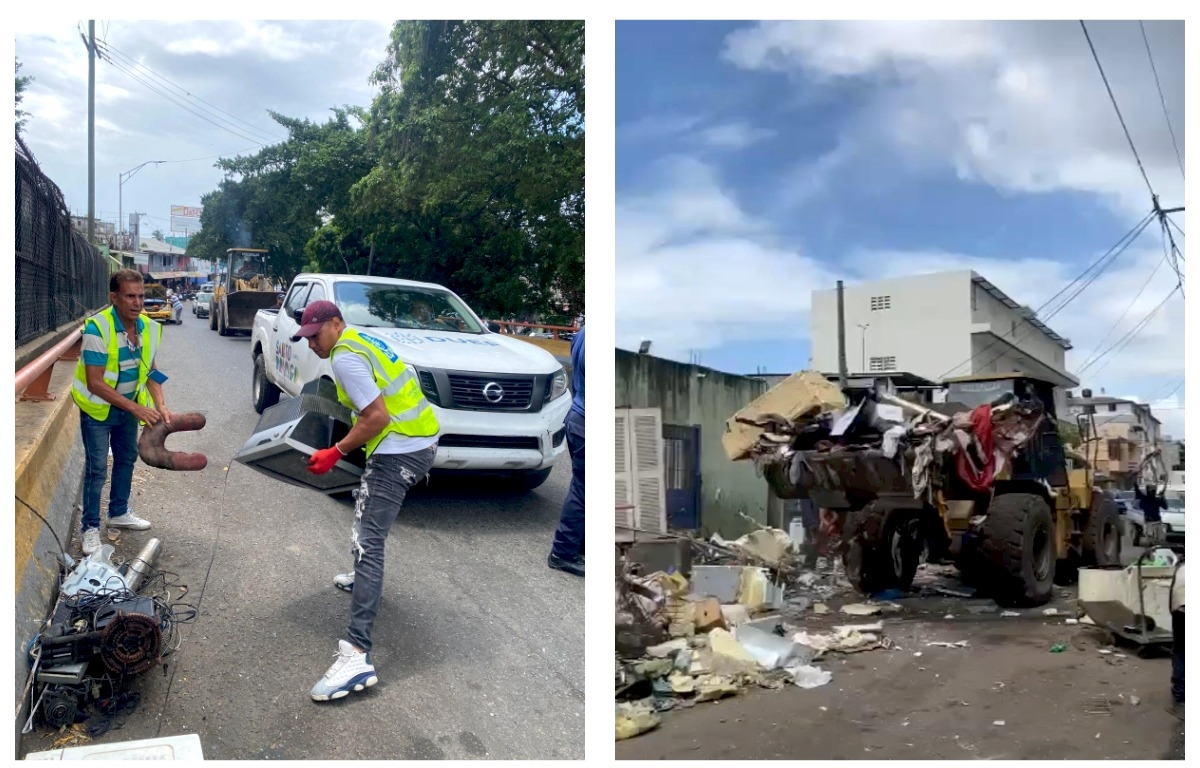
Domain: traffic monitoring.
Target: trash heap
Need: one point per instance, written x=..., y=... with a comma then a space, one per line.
x=806, y=415
x=111, y=624
x=682, y=642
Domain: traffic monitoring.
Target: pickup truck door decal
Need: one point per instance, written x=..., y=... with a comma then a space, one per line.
x=285, y=328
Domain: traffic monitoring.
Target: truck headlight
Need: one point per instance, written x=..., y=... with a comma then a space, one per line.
x=558, y=385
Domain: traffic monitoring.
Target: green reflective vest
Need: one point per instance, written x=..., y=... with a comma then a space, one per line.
x=412, y=415
x=105, y=322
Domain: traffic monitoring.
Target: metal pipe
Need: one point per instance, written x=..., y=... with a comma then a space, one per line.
x=140, y=566
x=841, y=337
x=46, y=360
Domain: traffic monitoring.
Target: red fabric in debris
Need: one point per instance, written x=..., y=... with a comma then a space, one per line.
x=981, y=426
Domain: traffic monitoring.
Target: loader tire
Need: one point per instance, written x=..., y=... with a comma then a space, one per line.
x=1016, y=547
x=212, y=318
x=884, y=560
x=1102, y=535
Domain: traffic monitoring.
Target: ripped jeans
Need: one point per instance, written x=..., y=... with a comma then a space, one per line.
x=385, y=483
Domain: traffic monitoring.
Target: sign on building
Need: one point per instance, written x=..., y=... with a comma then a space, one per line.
x=186, y=218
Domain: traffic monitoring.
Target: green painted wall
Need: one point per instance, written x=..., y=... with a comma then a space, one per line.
x=691, y=395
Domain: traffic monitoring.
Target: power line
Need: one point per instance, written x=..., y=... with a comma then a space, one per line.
x=1113, y=98
x=130, y=62
x=1161, y=98
x=171, y=98
x=1130, y=336
x=1173, y=224
x=1121, y=244
x=1145, y=285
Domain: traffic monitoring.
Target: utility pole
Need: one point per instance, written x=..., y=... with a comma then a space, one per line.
x=91, y=229
x=841, y=336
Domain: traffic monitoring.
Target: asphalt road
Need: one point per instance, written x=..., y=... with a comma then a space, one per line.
x=478, y=645
x=1006, y=697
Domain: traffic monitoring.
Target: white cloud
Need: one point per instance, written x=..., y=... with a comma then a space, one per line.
x=240, y=68
x=696, y=271
x=1014, y=105
x=736, y=135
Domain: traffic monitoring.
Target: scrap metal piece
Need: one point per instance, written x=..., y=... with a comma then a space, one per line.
x=152, y=443
x=131, y=644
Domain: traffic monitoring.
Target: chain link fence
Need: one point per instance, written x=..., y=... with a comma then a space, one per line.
x=60, y=276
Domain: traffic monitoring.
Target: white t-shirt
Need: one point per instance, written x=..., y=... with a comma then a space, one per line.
x=355, y=375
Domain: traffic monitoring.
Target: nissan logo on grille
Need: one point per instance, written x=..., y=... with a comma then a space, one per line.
x=493, y=392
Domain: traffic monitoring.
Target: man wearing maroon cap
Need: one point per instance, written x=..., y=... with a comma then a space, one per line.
x=398, y=430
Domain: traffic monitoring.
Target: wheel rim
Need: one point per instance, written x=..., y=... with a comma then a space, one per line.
x=1041, y=553
x=900, y=542
x=1109, y=534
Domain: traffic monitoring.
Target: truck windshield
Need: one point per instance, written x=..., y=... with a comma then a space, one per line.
x=975, y=393
x=397, y=306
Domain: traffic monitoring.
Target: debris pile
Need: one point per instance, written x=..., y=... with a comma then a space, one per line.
x=110, y=624
x=684, y=642
x=806, y=416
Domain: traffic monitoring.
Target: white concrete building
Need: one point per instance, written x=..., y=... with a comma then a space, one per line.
x=938, y=326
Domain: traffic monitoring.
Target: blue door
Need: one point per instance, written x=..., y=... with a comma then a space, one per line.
x=681, y=453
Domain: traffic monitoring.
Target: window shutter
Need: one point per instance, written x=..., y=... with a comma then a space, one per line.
x=647, y=463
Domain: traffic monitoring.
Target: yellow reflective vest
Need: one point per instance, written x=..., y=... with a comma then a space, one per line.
x=411, y=414
x=105, y=322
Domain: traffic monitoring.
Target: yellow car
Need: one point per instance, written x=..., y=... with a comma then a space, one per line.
x=156, y=306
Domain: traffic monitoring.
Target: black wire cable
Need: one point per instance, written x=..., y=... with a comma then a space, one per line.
x=62, y=550
x=1161, y=98
x=1131, y=335
x=1145, y=285
x=1113, y=98
x=174, y=100
x=140, y=67
x=1124, y=242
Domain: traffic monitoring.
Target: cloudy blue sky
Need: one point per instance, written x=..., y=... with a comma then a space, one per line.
x=182, y=91
x=757, y=162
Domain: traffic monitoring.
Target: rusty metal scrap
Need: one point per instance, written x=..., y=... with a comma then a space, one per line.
x=153, y=449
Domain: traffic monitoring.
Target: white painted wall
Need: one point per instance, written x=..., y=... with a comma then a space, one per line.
x=926, y=326
x=929, y=326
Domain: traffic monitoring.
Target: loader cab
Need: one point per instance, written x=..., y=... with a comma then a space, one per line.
x=1043, y=457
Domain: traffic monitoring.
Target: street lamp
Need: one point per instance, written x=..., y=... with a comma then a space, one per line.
x=121, y=179
x=863, y=327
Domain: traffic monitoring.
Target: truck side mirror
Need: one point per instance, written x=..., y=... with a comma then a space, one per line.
x=298, y=314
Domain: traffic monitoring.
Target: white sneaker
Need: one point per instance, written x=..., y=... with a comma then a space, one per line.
x=344, y=581
x=128, y=520
x=351, y=671
x=91, y=541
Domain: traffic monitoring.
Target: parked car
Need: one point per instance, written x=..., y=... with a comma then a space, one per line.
x=1172, y=516
x=202, y=304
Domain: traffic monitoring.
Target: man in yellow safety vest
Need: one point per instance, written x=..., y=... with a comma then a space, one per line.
x=399, y=431
x=115, y=383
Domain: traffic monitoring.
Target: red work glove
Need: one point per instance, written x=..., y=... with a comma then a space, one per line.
x=323, y=461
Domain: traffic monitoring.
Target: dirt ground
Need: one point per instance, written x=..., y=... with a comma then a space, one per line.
x=1007, y=696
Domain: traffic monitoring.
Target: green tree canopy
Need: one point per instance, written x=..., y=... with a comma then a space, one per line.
x=467, y=170
x=22, y=84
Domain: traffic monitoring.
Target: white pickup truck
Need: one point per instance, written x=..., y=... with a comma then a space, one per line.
x=501, y=402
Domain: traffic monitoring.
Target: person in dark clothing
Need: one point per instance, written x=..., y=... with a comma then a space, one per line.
x=566, y=554
x=1177, y=607
x=1151, y=503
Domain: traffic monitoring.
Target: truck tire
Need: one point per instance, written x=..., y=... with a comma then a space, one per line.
x=264, y=392
x=889, y=560
x=222, y=329
x=1102, y=535
x=529, y=479
x=1016, y=546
